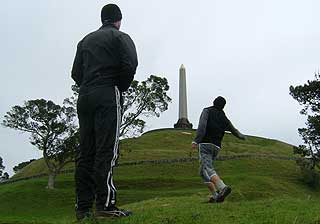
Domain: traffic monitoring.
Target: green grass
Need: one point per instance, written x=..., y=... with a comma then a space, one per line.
x=263, y=190
x=173, y=193
x=173, y=143
x=188, y=210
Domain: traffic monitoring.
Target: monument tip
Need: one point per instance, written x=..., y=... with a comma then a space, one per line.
x=182, y=66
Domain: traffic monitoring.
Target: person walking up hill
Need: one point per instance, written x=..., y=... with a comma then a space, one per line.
x=212, y=125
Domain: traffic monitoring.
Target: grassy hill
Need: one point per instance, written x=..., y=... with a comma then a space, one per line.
x=173, y=143
x=264, y=190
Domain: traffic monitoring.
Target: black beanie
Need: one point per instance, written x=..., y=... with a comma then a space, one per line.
x=110, y=13
x=219, y=102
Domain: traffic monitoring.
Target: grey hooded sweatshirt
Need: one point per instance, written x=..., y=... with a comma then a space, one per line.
x=212, y=125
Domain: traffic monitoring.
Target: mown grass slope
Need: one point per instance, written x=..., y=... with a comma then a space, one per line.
x=264, y=190
x=173, y=143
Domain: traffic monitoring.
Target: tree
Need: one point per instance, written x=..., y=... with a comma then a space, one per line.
x=143, y=99
x=53, y=131
x=1, y=166
x=21, y=165
x=4, y=177
x=308, y=95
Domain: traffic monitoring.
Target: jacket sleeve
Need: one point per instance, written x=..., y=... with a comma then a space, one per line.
x=128, y=61
x=77, y=72
x=202, y=127
x=235, y=131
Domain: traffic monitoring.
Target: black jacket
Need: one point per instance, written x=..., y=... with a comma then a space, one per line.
x=212, y=126
x=106, y=57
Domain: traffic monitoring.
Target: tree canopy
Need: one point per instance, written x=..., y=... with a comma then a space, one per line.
x=143, y=99
x=1, y=166
x=308, y=95
x=53, y=130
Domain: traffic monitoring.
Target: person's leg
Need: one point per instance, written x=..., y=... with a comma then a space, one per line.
x=221, y=187
x=214, y=178
x=224, y=190
x=107, y=124
x=213, y=191
x=84, y=160
x=211, y=187
x=205, y=156
x=218, y=182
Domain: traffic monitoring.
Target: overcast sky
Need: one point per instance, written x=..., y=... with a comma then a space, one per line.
x=248, y=51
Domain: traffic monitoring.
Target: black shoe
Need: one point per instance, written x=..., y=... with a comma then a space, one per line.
x=113, y=212
x=80, y=215
x=223, y=194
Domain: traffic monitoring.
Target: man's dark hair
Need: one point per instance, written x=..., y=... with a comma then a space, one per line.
x=219, y=102
x=110, y=13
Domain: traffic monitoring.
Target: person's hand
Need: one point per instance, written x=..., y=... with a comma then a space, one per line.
x=194, y=145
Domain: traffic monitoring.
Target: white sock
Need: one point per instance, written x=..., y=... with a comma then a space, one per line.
x=219, y=184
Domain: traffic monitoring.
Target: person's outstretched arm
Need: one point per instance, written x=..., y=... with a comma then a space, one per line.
x=236, y=132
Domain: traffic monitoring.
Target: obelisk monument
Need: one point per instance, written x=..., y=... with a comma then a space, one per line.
x=183, y=121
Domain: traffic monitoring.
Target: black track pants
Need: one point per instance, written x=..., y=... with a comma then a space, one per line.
x=99, y=113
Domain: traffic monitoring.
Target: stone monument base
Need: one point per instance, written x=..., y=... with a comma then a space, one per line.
x=183, y=123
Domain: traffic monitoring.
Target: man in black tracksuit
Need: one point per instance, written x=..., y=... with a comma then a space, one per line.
x=104, y=66
x=212, y=126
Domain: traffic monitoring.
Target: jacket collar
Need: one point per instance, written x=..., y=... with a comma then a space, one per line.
x=108, y=25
